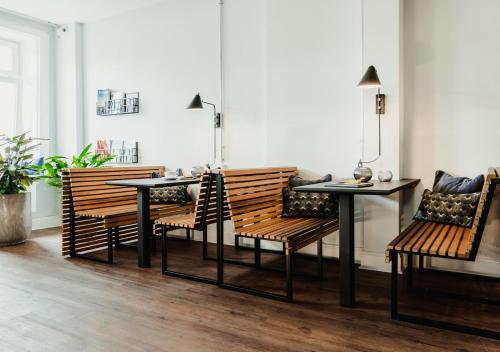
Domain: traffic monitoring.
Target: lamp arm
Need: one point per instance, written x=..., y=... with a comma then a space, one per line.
x=361, y=162
x=213, y=105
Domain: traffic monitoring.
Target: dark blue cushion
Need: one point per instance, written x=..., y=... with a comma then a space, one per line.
x=296, y=181
x=449, y=184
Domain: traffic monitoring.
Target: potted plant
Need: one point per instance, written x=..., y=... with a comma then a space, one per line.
x=51, y=170
x=16, y=154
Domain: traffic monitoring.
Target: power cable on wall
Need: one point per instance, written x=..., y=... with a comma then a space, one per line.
x=221, y=78
x=362, y=16
x=362, y=68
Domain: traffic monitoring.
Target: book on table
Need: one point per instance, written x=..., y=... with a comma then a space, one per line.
x=349, y=183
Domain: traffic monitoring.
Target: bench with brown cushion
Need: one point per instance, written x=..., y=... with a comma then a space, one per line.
x=255, y=201
x=440, y=240
x=93, y=211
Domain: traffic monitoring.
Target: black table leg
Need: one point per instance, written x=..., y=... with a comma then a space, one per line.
x=346, y=254
x=144, y=228
x=220, y=229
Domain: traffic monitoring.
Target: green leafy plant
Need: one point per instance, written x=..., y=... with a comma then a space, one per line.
x=51, y=170
x=15, y=157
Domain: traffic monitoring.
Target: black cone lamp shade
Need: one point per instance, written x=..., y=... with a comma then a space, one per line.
x=196, y=103
x=370, y=79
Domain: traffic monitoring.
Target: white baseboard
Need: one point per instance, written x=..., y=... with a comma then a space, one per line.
x=374, y=261
x=481, y=266
x=46, y=222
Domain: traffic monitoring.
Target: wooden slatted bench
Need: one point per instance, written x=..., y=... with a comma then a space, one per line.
x=255, y=201
x=444, y=241
x=96, y=212
x=204, y=214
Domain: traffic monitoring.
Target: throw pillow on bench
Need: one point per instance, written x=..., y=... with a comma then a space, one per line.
x=169, y=195
x=309, y=204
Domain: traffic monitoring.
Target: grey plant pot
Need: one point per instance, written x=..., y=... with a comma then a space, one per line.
x=15, y=218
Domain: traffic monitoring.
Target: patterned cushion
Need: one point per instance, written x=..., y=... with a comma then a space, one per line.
x=169, y=195
x=309, y=205
x=453, y=209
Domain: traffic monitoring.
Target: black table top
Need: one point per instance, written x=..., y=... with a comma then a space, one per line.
x=153, y=182
x=378, y=188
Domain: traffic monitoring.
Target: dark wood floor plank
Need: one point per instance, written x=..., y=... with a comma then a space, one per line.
x=49, y=303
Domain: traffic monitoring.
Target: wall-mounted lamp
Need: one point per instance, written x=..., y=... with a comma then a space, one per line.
x=197, y=104
x=370, y=80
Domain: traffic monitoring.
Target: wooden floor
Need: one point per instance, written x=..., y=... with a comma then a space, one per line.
x=49, y=303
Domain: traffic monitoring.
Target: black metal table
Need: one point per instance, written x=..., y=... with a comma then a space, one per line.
x=144, y=226
x=346, y=225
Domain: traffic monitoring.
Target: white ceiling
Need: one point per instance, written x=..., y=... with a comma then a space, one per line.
x=66, y=11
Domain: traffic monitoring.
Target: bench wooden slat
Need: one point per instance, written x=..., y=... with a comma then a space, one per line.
x=258, y=171
x=423, y=244
x=267, y=229
x=433, y=249
x=410, y=236
x=463, y=248
x=452, y=251
x=258, y=177
x=290, y=230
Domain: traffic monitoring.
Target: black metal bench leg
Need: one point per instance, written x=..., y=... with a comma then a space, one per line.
x=237, y=242
x=409, y=272
x=420, y=262
x=320, y=258
x=188, y=235
x=110, y=246
x=395, y=315
x=205, y=243
x=117, y=237
x=257, y=252
x=163, y=249
x=289, y=277
x=394, y=286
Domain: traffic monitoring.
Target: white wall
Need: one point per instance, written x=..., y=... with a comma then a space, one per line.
x=453, y=101
x=245, y=58
x=167, y=52
x=290, y=74
x=290, y=70
x=69, y=87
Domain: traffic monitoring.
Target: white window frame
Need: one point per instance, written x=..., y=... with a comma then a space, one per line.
x=15, y=72
x=14, y=76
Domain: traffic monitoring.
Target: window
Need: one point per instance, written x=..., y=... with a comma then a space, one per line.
x=19, y=82
x=10, y=85
x=26, y=97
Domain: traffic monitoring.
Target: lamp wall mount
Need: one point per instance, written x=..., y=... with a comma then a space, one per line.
x=217, y=120
x=380, y=103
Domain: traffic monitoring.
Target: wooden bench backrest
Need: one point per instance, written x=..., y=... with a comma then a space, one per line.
x=482, y=212
x=90, y=233
x=89, y=190
x=206, y=205
x=256, y=195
